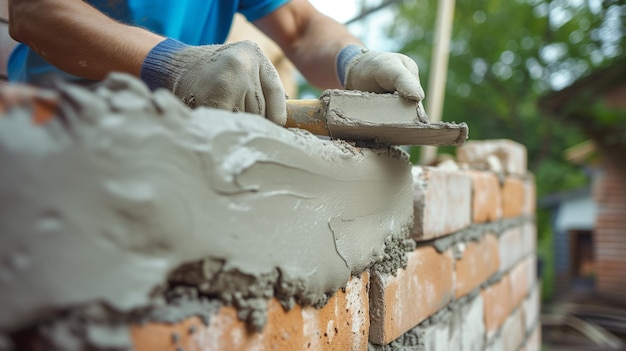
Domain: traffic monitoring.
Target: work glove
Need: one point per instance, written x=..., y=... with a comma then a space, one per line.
x=234, y=77
x=379, y=72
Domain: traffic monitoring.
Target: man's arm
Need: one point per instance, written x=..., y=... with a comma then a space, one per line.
x=310, y=39
x=329, y=56
x=78, y=38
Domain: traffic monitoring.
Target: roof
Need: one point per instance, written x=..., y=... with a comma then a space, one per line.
x=588, y=88
x=555, y=199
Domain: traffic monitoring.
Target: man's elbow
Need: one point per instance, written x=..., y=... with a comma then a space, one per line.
x=23, y=16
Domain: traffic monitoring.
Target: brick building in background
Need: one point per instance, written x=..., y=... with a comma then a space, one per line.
x=597, y=104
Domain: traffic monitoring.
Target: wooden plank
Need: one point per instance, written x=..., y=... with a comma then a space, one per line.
x=598, y=335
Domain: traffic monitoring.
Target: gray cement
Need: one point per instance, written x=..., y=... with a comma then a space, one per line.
x=476, y=231
x=104, y=202
x=395, y=255
x=385, y=119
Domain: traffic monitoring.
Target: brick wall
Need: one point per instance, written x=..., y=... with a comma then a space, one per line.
x=470, y=283
x=610, y=232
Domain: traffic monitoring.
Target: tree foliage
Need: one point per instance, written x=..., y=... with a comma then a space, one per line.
x=505, y=55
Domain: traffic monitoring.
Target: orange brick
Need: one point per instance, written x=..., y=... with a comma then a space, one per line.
x=486, y=197
x=531, y=307
x=529, y=231
x=498, y=303
x=512, y=246
x=398, y=303
x=441, y=202
x=534, y=341
x=513, y=331
x=512, y=197
x=480, y=261
x=519, y=282
x=530, y=196
x=499, y=155
x=342, y=324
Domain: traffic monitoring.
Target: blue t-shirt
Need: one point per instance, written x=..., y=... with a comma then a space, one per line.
x=194, y=22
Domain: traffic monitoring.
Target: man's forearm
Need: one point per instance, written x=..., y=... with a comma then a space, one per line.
x=310, y=39
x=78, y=39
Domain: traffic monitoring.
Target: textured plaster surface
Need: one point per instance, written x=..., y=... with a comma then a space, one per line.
x=123, y=186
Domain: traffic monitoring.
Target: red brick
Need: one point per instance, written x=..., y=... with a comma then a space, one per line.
x=342, y=324
x=498, y=303
x=486, y=197
x=441, y=202
x=479, y=262
x=399, y=303
x=512, y=197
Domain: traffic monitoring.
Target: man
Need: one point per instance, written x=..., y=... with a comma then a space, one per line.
x=176, y=45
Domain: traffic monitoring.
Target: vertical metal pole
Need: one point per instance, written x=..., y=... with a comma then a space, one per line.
x=439, y=69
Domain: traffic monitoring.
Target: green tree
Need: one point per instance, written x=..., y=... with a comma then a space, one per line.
x=507, y=54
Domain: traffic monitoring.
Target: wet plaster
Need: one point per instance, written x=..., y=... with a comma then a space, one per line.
x=385, y=119
x=107, y=200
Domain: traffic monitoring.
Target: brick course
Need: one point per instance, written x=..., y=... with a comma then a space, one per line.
x=508, y=155
x=513, y=331
x=530, y=196
x=512, y=197
x=498, y=303
x=480, y=293
x=486, y=197
x=398, y=303
x=520, y=284
x=488, y=314
x=479, y=262
x=442, y=202
x=512, y=247
x=342, y=324
x=473, y=326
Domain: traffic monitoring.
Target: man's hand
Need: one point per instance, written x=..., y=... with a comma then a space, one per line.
x=379, y=72
x=235, y=77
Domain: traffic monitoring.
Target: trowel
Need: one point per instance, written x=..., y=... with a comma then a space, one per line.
x=380, y=119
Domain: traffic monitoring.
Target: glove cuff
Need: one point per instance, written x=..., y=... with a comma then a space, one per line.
x=156, y=70
x=345, y=56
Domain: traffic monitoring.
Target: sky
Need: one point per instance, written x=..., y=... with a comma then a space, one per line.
x=340, y=10
x=370, y=30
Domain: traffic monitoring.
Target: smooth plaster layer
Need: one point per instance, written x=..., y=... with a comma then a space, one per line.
x=124, y=186
x=385, y=119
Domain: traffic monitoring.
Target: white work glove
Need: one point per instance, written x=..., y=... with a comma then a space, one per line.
x=234, y=77
x=379, y=72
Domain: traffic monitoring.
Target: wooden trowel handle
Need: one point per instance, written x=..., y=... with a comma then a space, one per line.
x=306, y=114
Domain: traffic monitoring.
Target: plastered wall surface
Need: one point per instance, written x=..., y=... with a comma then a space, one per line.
x=122, y=187
x=130, y=222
